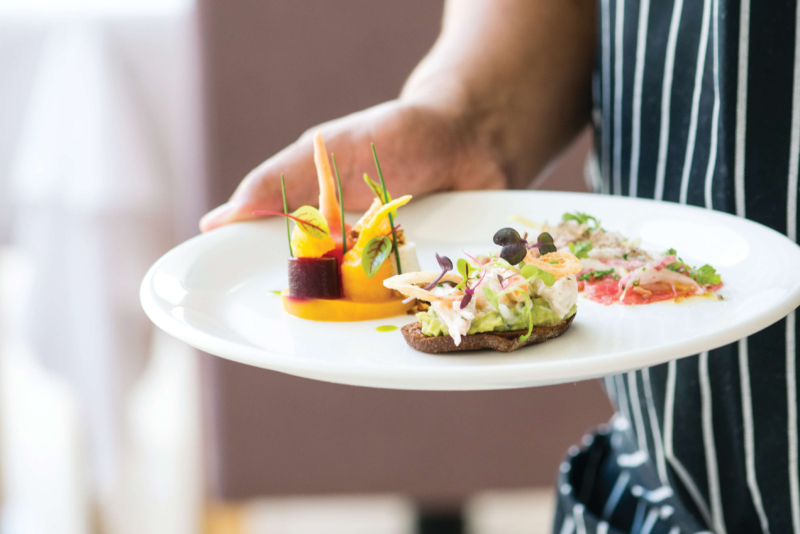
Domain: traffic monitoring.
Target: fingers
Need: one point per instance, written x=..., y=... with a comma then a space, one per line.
x=421, y=150
x=261, y=188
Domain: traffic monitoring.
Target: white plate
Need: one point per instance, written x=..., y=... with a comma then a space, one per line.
x=215, y=293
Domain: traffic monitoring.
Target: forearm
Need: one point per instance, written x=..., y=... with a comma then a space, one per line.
x=518, y=72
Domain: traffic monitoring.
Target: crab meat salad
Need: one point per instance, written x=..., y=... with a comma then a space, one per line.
x=616, y=270
x=526, y=294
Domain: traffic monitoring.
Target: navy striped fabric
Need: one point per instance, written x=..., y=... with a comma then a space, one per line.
x=698, y=102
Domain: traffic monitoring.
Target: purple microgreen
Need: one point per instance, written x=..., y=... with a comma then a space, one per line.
x=409, y=299
x=469, y=291
x=471, y=257
x=446, y=266
x=500, y=280
x=544, y=243
x=386, y=201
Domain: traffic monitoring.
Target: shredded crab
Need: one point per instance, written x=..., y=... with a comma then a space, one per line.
x=559, y=264
x=409, y=284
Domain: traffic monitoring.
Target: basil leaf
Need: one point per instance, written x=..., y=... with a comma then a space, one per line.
x=374, y=254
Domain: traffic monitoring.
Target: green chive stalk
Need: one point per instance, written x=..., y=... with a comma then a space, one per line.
x=341, y=203
x=391, y=219
x=286, y=212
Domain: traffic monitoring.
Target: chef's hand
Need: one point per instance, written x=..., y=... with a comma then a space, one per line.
x=504, y=90
x=421, y=148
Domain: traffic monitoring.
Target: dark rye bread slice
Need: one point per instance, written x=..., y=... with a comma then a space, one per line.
x=501, y=341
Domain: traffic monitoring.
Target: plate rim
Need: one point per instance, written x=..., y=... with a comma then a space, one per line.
x=468, y=378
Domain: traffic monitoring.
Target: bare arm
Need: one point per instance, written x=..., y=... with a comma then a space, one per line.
x=504, y=89
x=520, y=73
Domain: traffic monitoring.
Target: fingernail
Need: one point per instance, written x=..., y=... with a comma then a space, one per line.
x=216, y=217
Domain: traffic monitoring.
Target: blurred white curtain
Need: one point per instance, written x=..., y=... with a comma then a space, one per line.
x=101, y=172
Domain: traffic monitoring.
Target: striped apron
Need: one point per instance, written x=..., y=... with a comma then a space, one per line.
x=698, y=102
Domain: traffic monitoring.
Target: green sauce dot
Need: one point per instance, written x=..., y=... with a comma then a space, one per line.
x=276, y=292
x=386, y=328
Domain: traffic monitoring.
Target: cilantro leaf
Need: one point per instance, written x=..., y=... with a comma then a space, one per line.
x=705, y=275
x=582, y=218
x=580, y=248
x=596, y=275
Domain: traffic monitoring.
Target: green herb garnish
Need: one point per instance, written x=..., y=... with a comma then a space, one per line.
x=596, y=275
x=374, y=254
x=582, y=218
x=341, y=204
x=286, y=212
x=463, y=269
x=671, y=252
x=391, y=219
x=491, y=296
x=580, y=248
x=528, y=317
x=308, y=219
x=531, y=273
x=625, y=256
x=705, y=275
x=377, y=191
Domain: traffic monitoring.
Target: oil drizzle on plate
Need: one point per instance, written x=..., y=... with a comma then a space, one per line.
x=386, y=328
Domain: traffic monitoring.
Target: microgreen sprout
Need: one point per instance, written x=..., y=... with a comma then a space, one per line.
x=446, y=265
x=469, y=291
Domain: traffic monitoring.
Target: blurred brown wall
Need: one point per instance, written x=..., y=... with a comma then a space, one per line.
x=274, y=68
